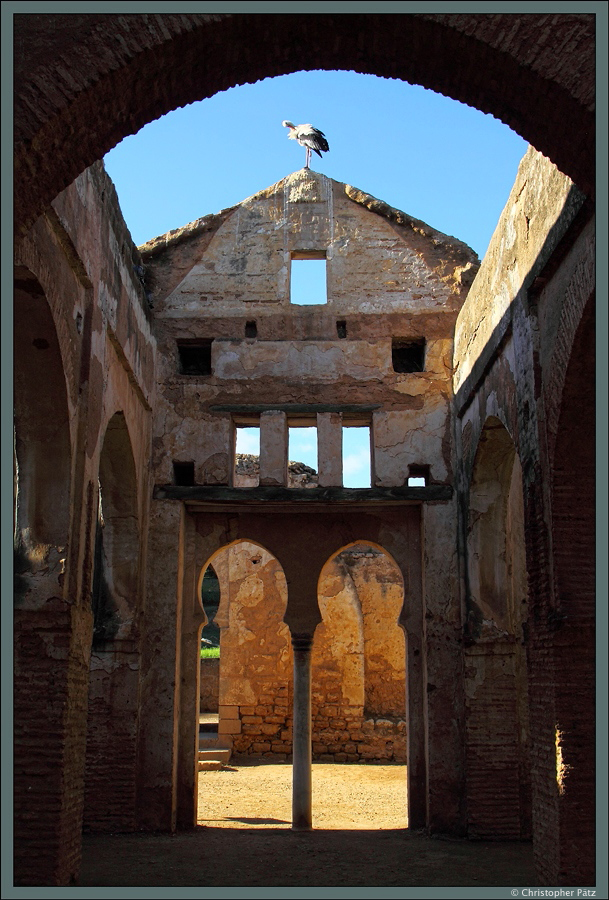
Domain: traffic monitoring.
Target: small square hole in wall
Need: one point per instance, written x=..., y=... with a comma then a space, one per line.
x=408, y=355
x=356, y=456
x=183, y=473
x=308, y=282
x=246, y=471
x=194, y=357
x=418, y=476
x=341, y=328
x=251, y=329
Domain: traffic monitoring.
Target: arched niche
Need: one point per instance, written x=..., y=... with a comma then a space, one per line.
x=42, y=451
x=358, y=658
x=116, y=570
x=495, y=537
x=496, y=676
x=112, y=720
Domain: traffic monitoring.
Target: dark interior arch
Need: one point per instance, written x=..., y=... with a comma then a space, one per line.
x=42, y=434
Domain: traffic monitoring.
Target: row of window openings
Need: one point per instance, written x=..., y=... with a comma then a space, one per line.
x=194, y=356
x=303, y=450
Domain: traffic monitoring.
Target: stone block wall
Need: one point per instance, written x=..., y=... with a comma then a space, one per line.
x=209, y=685
x=344, y=734
x=264, y=729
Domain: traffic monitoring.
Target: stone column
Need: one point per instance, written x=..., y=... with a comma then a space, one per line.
x=273, y=448
x=301, y=741
x=330, y=449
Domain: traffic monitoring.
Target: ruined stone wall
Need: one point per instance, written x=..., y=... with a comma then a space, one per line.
x=84, y=355
x=220, y=288
x=388, y=276
x=515, y=344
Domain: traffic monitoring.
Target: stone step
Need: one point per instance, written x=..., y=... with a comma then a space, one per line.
x=209, y=765
x=213, y=757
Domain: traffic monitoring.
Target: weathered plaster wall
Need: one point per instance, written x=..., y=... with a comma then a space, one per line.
x=388, y=275
x=542, y=203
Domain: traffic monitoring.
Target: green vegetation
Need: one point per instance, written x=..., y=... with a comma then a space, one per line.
x=210, y=598
x=210, y=652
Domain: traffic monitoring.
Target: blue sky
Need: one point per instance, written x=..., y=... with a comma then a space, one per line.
x=303, y=448
x=438, y=160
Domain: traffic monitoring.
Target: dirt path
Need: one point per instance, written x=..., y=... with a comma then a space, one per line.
x=244, y=839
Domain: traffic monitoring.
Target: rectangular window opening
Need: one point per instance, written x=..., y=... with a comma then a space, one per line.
x=357, y=470
x=183, y=473
x=246, y=472
x=408, y=355
x=251, y=329
x=308, y=285
x=418, y=476
x=302, y=456
x=194, y=357
x=341, y=328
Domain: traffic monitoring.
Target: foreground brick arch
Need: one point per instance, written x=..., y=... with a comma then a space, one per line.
x=83, y=82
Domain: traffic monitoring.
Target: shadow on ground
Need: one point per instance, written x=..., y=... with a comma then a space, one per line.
x=240, y=857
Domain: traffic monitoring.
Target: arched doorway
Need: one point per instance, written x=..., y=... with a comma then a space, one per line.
x=255, y=671
x=210, y=648
x=358, y=659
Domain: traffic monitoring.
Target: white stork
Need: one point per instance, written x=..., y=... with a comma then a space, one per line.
x=308, y=137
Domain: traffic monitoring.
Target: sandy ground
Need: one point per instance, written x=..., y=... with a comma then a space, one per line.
x=244, y=839
x=344, y=797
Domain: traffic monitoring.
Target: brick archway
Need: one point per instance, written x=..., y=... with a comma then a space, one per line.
x=83, y=82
